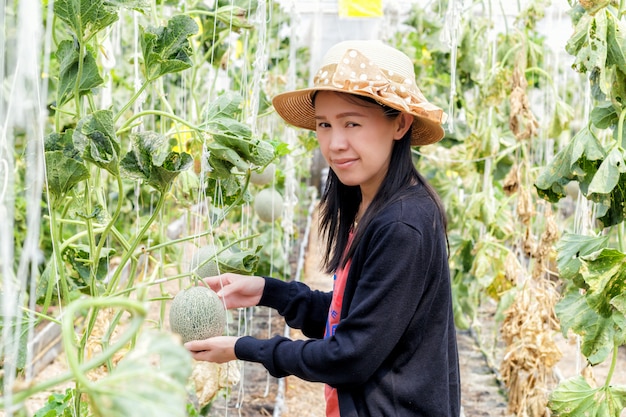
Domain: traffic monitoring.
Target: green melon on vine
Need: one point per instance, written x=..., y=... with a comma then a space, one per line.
x=197, y=313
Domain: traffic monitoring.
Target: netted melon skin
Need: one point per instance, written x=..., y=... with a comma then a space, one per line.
x=197, y=313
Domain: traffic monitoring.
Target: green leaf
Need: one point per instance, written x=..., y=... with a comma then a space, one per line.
x=574, y=397
x=150, y=161
x=163, y=175
x=227, y=190
x=95, y=138
x=616, y=41
x=68, y=57
x=86, y=17
x=611, y=208
x=578, y=161
x=81, y=259
x=149, y=381
x=166, y=49
x=63, y=173
x=588, y=43
x=605, y=273
x=222, y=159
x=603, y=115
x=597, y=332
x=233, y=142
x=571, y=248
x=607, y=176
x=240, y=261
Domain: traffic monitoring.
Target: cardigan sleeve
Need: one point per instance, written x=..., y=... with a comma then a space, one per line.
x=302, y=307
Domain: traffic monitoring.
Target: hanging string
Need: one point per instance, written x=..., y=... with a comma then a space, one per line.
x=450, y=37
x=25, y=112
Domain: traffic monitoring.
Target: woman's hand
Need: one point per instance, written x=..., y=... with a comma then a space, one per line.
x=237, y=290
x=218, y=349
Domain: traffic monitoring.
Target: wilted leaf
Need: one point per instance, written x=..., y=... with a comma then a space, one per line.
x=166, y=49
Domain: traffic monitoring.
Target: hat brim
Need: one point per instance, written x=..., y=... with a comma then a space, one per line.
x=296, y=108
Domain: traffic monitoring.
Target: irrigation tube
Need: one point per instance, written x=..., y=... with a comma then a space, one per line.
x=280, y=396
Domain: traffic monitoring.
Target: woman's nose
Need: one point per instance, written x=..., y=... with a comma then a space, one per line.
x=338, y=140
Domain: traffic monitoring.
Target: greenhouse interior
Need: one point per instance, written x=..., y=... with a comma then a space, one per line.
x=140, y=153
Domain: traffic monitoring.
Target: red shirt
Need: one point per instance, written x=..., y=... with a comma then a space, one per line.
x=339, y=284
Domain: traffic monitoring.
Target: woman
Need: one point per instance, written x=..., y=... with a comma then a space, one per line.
x=384, y=339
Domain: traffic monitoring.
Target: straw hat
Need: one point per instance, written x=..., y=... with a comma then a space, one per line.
x=371, y=69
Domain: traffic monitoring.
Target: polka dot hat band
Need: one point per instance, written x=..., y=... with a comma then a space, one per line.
x=370, y=69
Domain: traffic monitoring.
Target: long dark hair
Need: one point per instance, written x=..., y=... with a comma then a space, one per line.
x=339, y=203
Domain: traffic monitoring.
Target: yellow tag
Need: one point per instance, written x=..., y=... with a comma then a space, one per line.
x=360, y=8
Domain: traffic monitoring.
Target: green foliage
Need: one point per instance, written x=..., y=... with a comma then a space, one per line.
x=64, y=166
x=61, y=405
x=578, y=161
x=166, y=49
x=86, y=17
x=97, y=142
x=575, y=397
x=149, y=161
x=76, y=71
x=150, y=380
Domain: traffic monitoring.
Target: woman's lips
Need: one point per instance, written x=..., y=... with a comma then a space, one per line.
x=343, y=162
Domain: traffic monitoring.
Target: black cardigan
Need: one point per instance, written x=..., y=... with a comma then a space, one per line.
x=394, y=351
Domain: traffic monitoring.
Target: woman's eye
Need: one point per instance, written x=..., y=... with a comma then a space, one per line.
x=323, y=124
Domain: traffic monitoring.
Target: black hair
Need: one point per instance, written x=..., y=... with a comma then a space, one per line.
x=339, y=203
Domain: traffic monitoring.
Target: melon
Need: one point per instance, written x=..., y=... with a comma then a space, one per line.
x=268, y=205
x=264, y=177
x=204, y=262
x=197, y=313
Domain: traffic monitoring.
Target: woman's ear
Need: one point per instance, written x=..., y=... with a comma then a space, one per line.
x=404, y=122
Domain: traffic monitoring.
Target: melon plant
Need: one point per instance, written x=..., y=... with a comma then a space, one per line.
x=197, y=313
x=268, y=204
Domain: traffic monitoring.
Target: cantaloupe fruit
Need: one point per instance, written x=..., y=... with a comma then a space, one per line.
x=268, y=205
x=264, y=177
x=204, y=262
x=197, y=313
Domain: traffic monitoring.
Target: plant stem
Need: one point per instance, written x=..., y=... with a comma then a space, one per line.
x=109, y=226
x=620, y=127
x=131, y=101
x=79, y=74
x=67, y=335
x=157, y=113
x=116, y=276
x=58, y=259
x=609, y=376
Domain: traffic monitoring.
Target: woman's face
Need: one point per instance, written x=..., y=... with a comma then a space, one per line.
x=356, y=138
